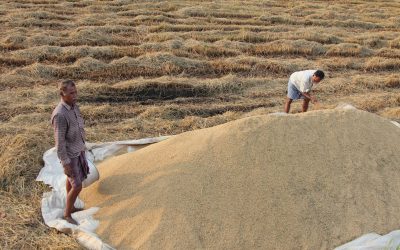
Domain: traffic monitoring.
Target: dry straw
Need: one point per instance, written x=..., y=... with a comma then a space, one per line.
x=288, y=47
x=381, y=64
x=22, y=226
x=146, y=69
x=348, y=49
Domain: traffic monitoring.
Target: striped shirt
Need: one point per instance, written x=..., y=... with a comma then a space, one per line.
x=69, y=131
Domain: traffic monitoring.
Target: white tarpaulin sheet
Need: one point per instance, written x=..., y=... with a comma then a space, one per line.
x=53, y=203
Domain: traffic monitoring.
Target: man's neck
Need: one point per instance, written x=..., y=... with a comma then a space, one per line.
x=68, y=103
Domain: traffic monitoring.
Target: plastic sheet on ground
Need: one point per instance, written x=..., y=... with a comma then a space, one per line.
x=373, y=241
x=53, y=202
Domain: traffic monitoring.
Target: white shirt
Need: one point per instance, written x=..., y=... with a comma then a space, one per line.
x=302, y=80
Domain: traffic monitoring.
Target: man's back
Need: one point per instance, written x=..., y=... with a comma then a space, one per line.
x=302, y=80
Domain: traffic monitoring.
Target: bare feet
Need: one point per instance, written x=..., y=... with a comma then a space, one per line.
x=69, y=219
x=2, y=215
x=74, y=210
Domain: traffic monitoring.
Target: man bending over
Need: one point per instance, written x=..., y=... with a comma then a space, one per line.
x=300, y=85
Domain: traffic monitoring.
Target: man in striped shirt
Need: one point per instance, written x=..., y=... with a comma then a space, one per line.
x=299, y=87
x=69, y=136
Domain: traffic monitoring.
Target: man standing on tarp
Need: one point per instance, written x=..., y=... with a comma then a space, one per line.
x=299, y=87
x=69, y=136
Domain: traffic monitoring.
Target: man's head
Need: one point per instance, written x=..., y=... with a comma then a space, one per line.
x=318, y=76
x=68, y=92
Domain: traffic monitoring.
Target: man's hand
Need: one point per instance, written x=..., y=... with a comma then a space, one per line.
x=314, y=100
x=68, y=170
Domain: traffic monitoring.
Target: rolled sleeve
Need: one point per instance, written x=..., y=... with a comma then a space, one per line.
x=60, y=129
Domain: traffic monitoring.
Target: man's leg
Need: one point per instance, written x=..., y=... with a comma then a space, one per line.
x=287, y=104
x=306, y=101
x=68, y=188
x=73, y=187
x=71, y=198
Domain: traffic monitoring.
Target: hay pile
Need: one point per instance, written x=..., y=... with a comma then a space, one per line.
x=305, y=181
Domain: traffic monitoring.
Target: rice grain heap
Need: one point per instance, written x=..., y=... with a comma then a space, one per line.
x=306, y=181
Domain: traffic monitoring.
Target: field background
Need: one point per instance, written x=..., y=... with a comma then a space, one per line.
x=150, y=68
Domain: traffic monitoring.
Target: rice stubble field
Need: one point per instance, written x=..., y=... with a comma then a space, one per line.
x=150, y=68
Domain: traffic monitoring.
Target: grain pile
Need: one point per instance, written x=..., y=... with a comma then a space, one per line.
x=304, y=181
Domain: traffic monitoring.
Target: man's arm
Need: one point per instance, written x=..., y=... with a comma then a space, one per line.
x=309, y=96
x=60, y=130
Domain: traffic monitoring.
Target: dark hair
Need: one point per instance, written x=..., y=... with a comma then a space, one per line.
x=62, y=86
x=320, y=74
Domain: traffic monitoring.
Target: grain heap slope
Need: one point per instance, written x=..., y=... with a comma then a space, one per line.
x=305, y=181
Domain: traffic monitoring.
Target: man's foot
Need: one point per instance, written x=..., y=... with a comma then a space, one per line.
x=74, y=210
x=69, y=219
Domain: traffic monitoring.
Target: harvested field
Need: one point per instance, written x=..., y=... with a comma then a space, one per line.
x=150, y=68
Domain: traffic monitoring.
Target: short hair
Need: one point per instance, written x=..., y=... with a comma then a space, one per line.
x=63, y=85
x=320, y=74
